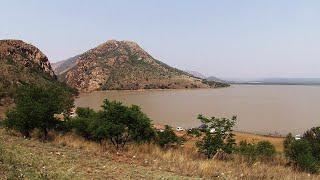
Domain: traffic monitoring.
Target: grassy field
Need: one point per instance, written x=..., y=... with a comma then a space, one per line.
x=71, y=157
x=31, y=159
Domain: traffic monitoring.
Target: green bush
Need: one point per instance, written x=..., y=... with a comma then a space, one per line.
x=313, y=137
x=252, y=151
x=222, y=139
x=304, y=153
x=287, y=144
x=116, y=123
x=300, y=153
x=81, y=126
x=194, y=132
x=248, y=150
x=85, y=112
x=35, y=109
x=167, y=138
x=265, y=149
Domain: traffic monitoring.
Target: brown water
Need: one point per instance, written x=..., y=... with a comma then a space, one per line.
x=259, y=108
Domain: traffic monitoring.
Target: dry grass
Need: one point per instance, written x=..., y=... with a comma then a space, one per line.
x=186, y=161
x=32, y=159
x=72, y=157
x=253, y=138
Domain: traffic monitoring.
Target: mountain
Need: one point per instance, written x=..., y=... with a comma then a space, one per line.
x=65, y=65
x=22, y=63
x=196, y=74
x=212, y=78
x=123, y=65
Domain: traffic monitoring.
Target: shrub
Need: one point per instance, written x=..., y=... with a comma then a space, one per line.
x=85, y=112
x=194, y=132
x=248, y=150
x=265, y=149
x=252, y=151
x=304, y=153
x=313, y=137
x=116, y=123
x=35, y=109
x=301, y=154
x=168, y=138
x=81, y=126
x=287, y=144
x=222, y=139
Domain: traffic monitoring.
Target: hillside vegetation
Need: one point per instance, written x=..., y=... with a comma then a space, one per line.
x=123, y=65
x=22, y=64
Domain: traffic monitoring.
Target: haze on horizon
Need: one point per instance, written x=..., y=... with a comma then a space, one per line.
x=227, y=39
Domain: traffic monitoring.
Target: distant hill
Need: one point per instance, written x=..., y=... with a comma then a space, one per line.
x=281, y=81
x=291, y=80
x=196, y=74
x=65, y=65
x=123, y=65
x=212, y=78
x=22, y=63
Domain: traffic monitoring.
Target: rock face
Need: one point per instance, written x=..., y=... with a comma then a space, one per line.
x=22, y=63
x=122, y=65
x=24, y=54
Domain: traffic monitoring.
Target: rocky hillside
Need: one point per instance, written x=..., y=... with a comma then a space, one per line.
x=122, y=65
x=22, y=63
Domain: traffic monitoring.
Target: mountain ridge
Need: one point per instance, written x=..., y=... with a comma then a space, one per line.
x=119, y=65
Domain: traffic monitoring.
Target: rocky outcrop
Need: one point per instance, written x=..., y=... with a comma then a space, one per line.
x=123, y=65
x=22, y=63
x=24, y=54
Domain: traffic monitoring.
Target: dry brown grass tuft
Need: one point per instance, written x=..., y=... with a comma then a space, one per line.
x=187, y=162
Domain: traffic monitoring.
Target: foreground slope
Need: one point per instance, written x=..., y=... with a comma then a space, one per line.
x=71, y=157
x=123, y=65
x=22, y=63
x=31, y=159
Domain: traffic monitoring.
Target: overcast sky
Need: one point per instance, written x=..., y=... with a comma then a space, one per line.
x=224, y=38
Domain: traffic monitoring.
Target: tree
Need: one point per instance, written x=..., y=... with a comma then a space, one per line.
x=81, y=123
x=253, y=151
x=167, y=137
x=304, y=153
x=301, y=155
x=222, y=139
x=35, y=109
x=265, y=149
x=287, y=144
x=120, y=124
x=313, y=137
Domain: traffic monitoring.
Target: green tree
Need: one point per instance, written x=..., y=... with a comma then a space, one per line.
x=252, y=151
x=313, y=137
x=81, y=123
x=36, y=108
x=167, y=138
x=265, y=149
x=248, y=150
x=120, y=124
x=301, y=154
x=222, y=139
x=287, y=144
x=85, y=112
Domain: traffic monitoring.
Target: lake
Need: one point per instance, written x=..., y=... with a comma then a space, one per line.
x=260, y=109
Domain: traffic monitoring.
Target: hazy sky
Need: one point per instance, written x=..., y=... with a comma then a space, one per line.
x=225, y=38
